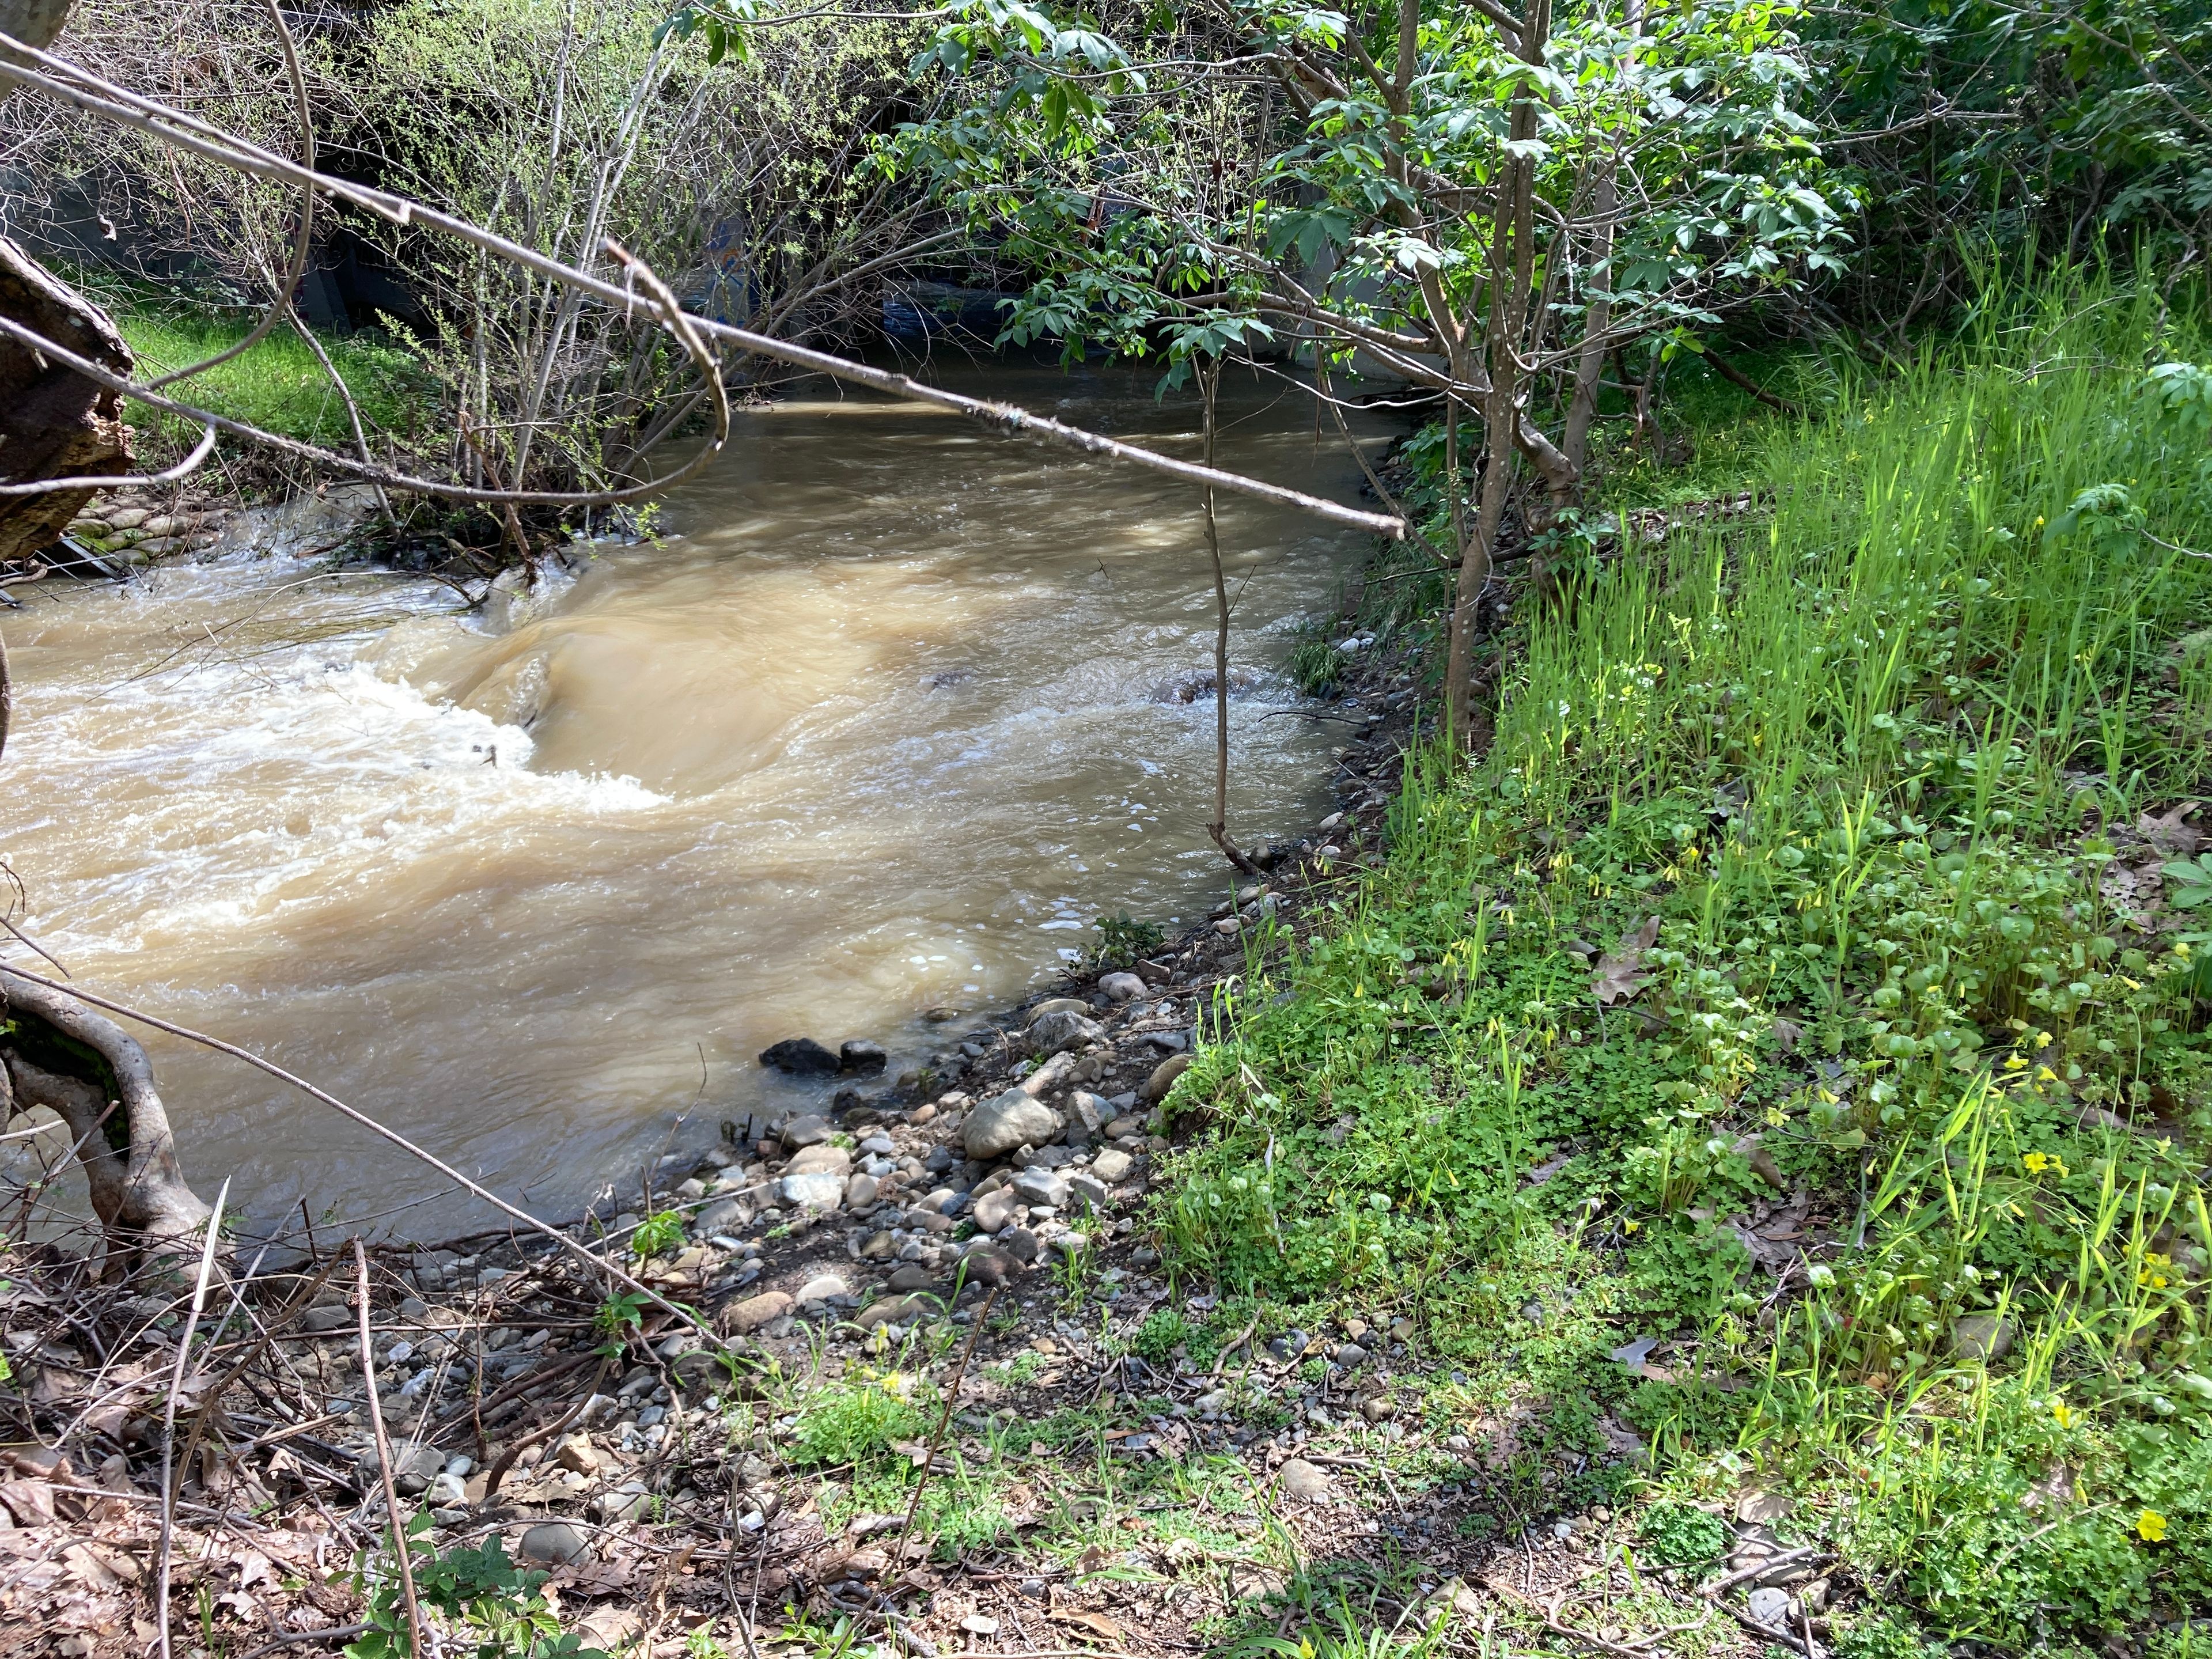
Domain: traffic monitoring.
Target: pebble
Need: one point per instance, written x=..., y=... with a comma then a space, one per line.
x=911, y=1277
x=860, y=1191
x=1122, y=986
x=808, y=1130
x=1020, y=1243
x=994, y=1210
x=1111, y=1165
x=822, y=1288
x=1302, y=1482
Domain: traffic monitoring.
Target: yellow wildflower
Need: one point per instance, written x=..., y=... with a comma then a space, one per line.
x=2040, y=1164
x=2150, y=1526
x=2063, y=1413
x=2014, y=1061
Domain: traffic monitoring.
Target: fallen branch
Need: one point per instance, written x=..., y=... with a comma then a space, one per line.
x=113, y=103
x=400, y=1542
x=10, y=975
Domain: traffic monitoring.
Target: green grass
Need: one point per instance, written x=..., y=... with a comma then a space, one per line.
x=277, y=385
x=1874, y=757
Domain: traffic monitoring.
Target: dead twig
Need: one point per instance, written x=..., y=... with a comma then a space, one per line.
x=944, y=1419
x=169, y=1422
x=399, y=1540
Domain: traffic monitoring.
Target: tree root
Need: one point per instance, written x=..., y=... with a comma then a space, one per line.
x=56, y=1053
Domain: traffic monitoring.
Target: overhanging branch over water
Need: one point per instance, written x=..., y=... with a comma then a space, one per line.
x=72, y=84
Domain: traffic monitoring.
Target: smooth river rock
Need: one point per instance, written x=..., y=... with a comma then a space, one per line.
x=1122, y=988
x=1062, y=1030
x=1007, y=1121
x=742, y=1318
x=821, y=1159
x=823, y=1191
x=1165, y=1075
x=1111, y=1165
x=994, y=1210
x=1302, y=1482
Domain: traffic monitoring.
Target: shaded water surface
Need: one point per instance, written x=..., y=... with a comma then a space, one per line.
x=889, y=715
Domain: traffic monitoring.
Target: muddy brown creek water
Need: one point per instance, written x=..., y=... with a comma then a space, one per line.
x=884, y=721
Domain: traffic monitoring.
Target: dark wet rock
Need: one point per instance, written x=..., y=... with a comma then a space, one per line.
x=800, y=1057
x=863, y=1056
x=804, y=1132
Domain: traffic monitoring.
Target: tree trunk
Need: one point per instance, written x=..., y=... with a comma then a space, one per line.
x=56, y=1053
x=54, y=423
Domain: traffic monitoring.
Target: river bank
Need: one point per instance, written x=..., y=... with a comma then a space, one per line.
x=828, y=1254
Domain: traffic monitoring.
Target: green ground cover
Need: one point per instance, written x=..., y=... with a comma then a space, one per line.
x=277, y=383
x=1811, y=981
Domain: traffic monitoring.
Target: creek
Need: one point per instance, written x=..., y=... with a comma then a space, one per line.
x=890, y=713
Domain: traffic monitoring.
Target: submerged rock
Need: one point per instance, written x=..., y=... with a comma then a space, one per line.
x=800, y=1057
x=859, y=1055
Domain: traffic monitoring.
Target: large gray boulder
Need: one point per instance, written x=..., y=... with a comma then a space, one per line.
x=1007, y=1121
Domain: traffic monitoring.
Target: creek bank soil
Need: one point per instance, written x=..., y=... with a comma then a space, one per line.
x=670, y=1479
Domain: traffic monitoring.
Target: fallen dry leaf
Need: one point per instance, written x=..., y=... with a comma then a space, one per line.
x=1097, y=1622
x=1618, y=977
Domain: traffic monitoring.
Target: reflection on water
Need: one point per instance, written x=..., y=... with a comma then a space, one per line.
x=884, y=721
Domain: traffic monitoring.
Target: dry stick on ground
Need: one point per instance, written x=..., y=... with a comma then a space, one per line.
x=290, y=1311
x=944, y=1420
x=599, y=1263
x=1210, y=383
x=169, y=1422
x=107, y=101
x=498, y=1471
x=384, y=1459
